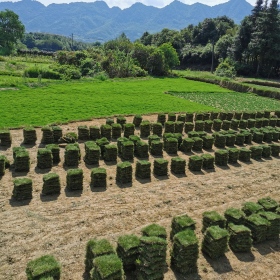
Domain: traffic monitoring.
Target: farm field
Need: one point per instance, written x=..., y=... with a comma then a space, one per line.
x=61, y=102
x=62, y=225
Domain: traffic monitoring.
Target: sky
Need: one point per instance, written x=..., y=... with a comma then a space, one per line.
x=127, y=3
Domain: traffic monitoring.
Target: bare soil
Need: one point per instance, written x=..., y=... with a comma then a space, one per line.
x=62, y=225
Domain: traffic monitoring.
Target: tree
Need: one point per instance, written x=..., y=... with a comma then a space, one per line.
x=170, y=55
x=11, y=29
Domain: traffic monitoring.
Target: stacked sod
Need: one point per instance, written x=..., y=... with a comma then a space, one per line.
x=134, y=139
x=189, y=126
x=72, y=155
x=243, y=124
x=208, y=142
x=22, y=189
x=221, y=157
x=217, y=124
x=240, y=139
x=51, y=184
x=157, y=128
x=233, y=155
x=266, y=151
x=189, y=117
x=161, y=118
x=98, y=178
x=181, y=223
x=256, y=152
x=215, y=242
x=274, y=225
x=187, y=145
x=143, y=169
x=120, y=141
x=128, y=250
x=121, y=120
x=109, y=121
x=181, y=118
x=152, y=258
x=199, y=125
x=169, y=127
x=213, y=218
x=178, y=165
x=83, y=132
x=275, y=150
x=258, y=226
x=195, y=163
x=5, y=138
x=111, y=153
x=198, y=144
x=240, y=239
x=137, y=119
x=156, y=148
x=230, y=140
x=245, y=154
x=45, y=267
x=127, y=150
x=250, y=208
x=234, y=124
x=152, y=138
x=208, y=124
x=226, y=125
x=154, y=230
x=142, y=149
x=106, y=131
x=235, y=216
x=74, y=179
x=268, y=204
x=208, y=161
x=160, y=167
x=184, y=254
x=124, y=173
x=129, y=129
x=96, y=248
x=2, y=165
x=21, y=159
x=102, y=142
x=171, y=117
x=179, y=126
x=29, y=135
x=47, y=137
x=54, y=148
x=93, y=152
x=145, y=129
x=94, y=132
x=57, y=133
x=171, y=145
x=44, y=158
x=220, y=140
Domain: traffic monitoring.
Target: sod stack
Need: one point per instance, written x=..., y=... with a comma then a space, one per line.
x=250, y=208
x=57, y=133
x=266, y=151
x=160, y=167
x=258, y=226
x=142, y=149
x=208, y=161
x=187, y=145
x=83, y=132
x=111, y=153
x=199, y=116
x=44, y=158
x=195, y=163
x=206, y=116
x=181, y=223
x=188, y=127
x=214, y=115
x=240, y=239
x=2, y=165
x=215, y=242
x=217, y=124
x=240, y=139
x=221, y=157
x=109, y=121
x=143, y=169
x=171, y=145
x=94, y=132
x=54, y=148
x=199, y=125
x=152, y=138
x=74, y=179
x=268, y=204
x=121, y=120
x=137, y=119
x=161, y=118
x=178, y=165
x=72, y=155
x=198, y=144
x=156, y=148
x=5, y=138
x=124, y=173
x=184, y=254
x=208, y=125
x=157, y=128
x=154, y=230
x=208, y=142
x=274, y=225
x=127, y=150
x=51, y=184
x=275, y=150
x=181, y=118
x=169, y=127
x=243, y=124
x=47, y=137
x=171, y=117
x=145, y=129
x=267, y=135
x=106, y=131
x=251, y=123
x=256, y=152
x=98, y=178
x=45, y=267
x=258, y=137
x=96, y=248
x=102, y=142
x=235, y=216
x=265, y=122
x=128, y=250
x=21, y=159
x=230, y=140
x=220, y=140
x=22, y=189
x=245, y=154
x=116, y=130
x=234, y=124
x=134, y=139
x=226, y=125
x=189, y=117
x=129, y=129
x=120, y=141
x=212, y=218
x=248, y=136
x=179, y=126
x=258, y=123
x=151, y=263
x=29, y=135
x=93, y=152
x=238, y=115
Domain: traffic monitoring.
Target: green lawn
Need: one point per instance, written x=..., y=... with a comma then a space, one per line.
x=231, y=101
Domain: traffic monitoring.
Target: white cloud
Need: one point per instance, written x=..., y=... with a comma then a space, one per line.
x=128, y=3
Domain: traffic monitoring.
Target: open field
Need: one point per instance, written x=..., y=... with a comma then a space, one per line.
x=62, y=225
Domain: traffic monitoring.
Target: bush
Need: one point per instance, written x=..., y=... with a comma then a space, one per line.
x=225, y=69
x=35, y=72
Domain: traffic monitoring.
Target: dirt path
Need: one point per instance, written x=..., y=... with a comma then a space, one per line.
x=62, y=225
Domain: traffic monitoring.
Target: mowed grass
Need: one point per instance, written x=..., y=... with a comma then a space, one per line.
x=231, y=101
x=81, y=100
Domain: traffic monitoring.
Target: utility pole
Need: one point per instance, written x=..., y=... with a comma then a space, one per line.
x=72, y=41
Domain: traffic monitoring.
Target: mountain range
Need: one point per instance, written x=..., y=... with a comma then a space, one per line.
x=91, y=22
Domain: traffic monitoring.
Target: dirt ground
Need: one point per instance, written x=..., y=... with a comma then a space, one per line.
x=62, y=225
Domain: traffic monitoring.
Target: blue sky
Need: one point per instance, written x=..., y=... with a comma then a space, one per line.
x=127, y=3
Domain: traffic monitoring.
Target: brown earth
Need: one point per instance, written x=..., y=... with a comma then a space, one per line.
x=62, y=225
